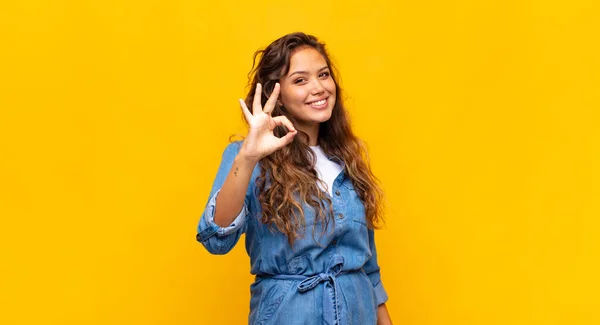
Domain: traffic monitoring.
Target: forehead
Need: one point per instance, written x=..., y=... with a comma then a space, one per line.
x=306, y=59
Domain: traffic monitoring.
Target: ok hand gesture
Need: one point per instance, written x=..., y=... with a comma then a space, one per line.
x=260, y=141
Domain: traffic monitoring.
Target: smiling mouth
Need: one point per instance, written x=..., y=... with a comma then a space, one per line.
x=318, y=104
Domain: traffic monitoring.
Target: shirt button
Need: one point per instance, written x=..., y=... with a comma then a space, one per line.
x=337, y=193
x=340, y=216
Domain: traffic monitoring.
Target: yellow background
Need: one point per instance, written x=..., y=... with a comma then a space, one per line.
x=481, y=119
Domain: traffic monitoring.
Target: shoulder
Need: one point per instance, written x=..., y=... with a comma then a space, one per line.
x=232, y=149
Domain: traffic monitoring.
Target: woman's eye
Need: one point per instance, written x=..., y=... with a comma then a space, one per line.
x=299, y=80
x=325, y=74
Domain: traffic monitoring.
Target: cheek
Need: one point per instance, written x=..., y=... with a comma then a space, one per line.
x=330, y=86
x=295, y=96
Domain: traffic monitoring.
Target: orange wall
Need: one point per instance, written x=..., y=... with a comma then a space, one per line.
x=481, y=118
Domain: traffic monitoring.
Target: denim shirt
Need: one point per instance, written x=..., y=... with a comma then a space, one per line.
x=324, y=279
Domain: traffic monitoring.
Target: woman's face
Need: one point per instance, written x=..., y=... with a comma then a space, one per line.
x=308, y=91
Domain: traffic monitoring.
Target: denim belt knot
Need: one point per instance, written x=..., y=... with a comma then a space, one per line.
x=331, y=313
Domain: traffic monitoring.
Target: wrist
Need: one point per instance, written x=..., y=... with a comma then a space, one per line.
x=243, y=159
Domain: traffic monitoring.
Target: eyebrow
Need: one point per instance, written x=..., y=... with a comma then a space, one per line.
x=304, y=72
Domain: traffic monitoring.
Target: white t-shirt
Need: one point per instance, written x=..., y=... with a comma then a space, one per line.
x=327, y=170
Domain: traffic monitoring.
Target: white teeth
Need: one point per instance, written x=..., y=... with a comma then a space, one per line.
x=319, y=102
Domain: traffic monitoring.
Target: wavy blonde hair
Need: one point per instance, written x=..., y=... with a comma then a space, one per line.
x=288, y=178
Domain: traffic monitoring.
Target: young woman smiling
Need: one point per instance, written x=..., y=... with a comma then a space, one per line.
x=300, y=187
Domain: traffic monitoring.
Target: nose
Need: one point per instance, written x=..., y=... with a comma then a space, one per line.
x=317, y=87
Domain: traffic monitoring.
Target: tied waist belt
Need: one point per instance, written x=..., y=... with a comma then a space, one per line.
x=331, y=313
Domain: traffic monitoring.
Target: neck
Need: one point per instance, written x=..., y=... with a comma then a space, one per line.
x=312, y=131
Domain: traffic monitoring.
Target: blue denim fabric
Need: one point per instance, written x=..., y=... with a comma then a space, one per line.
x=332, y=279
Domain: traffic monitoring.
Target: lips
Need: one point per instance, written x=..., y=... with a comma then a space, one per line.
x=319, y=104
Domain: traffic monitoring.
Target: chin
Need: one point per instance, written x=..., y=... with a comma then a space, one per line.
x=323, y=118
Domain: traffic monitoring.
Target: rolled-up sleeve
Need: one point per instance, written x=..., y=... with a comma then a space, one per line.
x=216, y=239
x=371, y=268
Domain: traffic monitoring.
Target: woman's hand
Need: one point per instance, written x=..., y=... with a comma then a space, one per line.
x=260, y=141
x=383, y=317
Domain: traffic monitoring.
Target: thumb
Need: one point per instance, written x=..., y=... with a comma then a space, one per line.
x=286, y=139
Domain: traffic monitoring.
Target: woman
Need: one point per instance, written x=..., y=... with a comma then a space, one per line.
x=301, y=189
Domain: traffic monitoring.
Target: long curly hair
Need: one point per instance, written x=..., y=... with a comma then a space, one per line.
x=288, y=179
